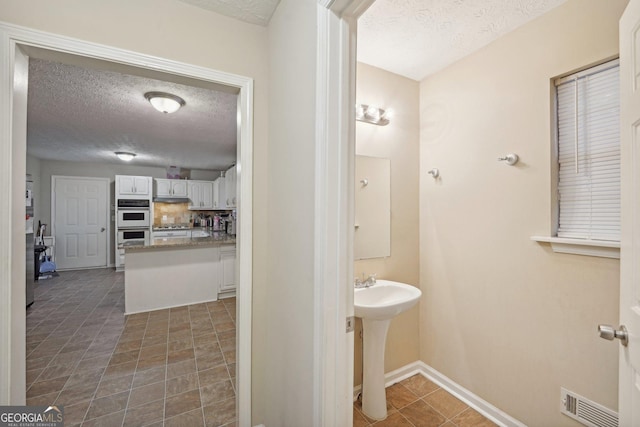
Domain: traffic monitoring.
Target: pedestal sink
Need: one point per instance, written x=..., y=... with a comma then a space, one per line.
x=376, y=306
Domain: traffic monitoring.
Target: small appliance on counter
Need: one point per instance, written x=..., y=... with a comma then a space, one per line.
x=218, y=223
x=230, y=225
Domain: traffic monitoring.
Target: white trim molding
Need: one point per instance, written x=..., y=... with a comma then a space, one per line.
x=12, y=39
x=482, y=406
x=597, y=248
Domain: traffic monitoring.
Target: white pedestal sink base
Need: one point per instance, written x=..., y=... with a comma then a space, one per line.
x=374, y=399
x=376, y=305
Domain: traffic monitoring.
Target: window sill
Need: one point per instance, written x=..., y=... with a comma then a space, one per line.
x=599, y=248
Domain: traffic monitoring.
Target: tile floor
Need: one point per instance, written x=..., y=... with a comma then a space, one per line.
x=418, y=402
x=173, y=367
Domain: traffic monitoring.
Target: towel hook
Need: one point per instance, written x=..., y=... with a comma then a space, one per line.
x=434, y=173
x=511, y=159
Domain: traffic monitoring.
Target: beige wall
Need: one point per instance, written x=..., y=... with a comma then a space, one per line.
x=399, y=142
x=285, y=330
x=502, y=315
x=197, y=37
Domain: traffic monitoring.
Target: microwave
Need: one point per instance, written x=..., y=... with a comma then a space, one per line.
x=133, y=235
x=134, y=218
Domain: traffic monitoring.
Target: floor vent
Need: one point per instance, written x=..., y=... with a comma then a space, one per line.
x=587, y=412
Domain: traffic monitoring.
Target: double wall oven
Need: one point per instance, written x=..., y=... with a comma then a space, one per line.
x=133, y=220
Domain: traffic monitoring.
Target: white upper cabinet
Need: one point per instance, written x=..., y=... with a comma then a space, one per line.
x=230, y=187
x=127, y=185
x=171, y=187
x=219, y=194
x=201, y=195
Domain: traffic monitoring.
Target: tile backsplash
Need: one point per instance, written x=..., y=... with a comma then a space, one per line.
x=171, y=213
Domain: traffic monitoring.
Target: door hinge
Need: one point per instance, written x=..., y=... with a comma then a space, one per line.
x=351, y=321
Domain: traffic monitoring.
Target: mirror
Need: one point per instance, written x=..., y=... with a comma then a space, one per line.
x=372, y=237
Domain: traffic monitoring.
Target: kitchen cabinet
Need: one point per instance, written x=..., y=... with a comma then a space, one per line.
x=200, y=195
x=119, y=259
x=171, y=188
x=219, y=193
x=188, y=276
x=227, y=268
x=127, y=185
x=199, y=233
x=171, y=234
x=230, y=179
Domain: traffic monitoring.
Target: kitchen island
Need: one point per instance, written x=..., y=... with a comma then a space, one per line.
x=176, y=272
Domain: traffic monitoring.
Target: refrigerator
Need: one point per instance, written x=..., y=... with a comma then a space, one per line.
x=30, y=260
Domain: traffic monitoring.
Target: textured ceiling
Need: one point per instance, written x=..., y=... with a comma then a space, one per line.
x=415, y=38
x=252, y=11
x=85, y=114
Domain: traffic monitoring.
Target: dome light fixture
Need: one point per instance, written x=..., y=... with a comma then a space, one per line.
x=123, y=155
x=164, y=102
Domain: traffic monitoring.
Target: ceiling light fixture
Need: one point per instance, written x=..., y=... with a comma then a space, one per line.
x=372, y=114
x=164, y=102
x=123, y=155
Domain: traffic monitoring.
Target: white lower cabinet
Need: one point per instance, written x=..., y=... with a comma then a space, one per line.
x=227, y=269
x=172, y=234
x=199, y=233
x=120, y=260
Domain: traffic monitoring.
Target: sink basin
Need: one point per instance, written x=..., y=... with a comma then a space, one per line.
x=384, y=300
x=376, y=306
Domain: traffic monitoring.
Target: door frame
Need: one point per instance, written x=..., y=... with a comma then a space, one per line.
x=12, y=169
x=54, y=178
x=629, y=237
x=334, y=202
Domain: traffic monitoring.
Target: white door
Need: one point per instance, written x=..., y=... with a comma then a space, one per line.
x=79, y=216
x=629, y=366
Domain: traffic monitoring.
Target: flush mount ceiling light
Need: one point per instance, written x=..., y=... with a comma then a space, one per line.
x=371, y=114
x=123, y=155
x=164, y=102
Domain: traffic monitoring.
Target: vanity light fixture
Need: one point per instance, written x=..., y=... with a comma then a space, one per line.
x=123, y=155
x=372, y=114
x=164, y=102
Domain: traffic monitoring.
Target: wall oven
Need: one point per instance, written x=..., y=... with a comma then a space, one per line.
x=133, y=213
x=132, y=235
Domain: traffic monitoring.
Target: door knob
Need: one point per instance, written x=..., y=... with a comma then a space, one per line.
x=608, y=333
x=102, y=229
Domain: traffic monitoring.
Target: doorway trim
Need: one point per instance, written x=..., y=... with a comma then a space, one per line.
x=12, y=169
x=54, y=181
x=334, y=200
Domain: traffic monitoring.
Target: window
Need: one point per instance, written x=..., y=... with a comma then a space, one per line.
x=588, y=136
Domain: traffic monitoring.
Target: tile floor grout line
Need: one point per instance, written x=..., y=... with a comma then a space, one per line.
x=100, y=311
x=95, y=392
x=58, y=353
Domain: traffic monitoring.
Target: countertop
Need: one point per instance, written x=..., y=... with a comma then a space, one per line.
x=216, y=239
x=193, y=228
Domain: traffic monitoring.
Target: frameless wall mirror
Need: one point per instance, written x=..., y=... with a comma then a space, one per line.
x=372, y=237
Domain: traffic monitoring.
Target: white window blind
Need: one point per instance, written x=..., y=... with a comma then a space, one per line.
x=588, y=111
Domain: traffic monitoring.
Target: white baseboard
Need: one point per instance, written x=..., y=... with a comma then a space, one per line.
x=485, y=408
